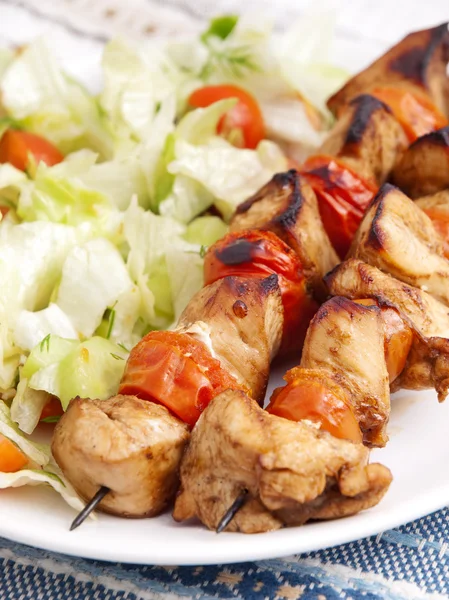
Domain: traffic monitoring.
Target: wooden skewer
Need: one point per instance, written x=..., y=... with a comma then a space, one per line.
x=238, y=503
x=90, y=506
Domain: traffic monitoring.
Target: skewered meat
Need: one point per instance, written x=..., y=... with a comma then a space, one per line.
x=418, y=63
x=245, y=319
x=437, y=208
x=336, y=335
x=356, y=279
x=287, y=206
x=134, y=446
x=424, y=167
x=399, y=238
x=367, y=137
x=131, y=446
x=427, y=364
x=293, y=471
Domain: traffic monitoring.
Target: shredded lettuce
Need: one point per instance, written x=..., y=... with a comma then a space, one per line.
x=27, y=406
x=230, y=174
x=32, y=327
x=42, y=99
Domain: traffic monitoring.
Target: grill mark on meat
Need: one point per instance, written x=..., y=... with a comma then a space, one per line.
x=366, y=106
x=288, y=217
x=280, y=179
x=438, y=138
x=270, y=284
x=414, y=63
x=376, y=235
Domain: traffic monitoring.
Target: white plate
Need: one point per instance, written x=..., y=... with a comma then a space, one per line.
x=417, y=454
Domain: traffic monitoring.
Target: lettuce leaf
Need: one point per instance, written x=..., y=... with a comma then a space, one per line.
x=41, y=98
x=93, y=278
x=32, y=327
x=27, y=406
x=39, y=454
x=230, y=174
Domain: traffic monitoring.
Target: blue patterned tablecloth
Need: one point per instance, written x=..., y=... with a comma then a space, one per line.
x=401, y=564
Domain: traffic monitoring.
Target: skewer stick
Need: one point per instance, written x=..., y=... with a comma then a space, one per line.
x=90, y=506
x=238, y=503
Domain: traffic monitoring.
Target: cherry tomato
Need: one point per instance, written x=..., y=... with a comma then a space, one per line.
x=416, y=114
x=16, y=146
x=53, y=408
x=342, y=197
x=308, y=395
x=12, y=459
x=177, y=371
x=255, y=253
x=245, y=117
x=398, y=338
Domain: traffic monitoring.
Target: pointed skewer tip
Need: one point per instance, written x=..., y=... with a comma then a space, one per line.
x=232, y=510
x=90, y=506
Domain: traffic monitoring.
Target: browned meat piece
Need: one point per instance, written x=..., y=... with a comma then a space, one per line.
x=436, y=208
x=287, y=206
x=245, y=319
x=427, y=367
x=424, y=168
x=367, y=138
x=293, y=471
x=417, y=62
x=129, y=445
x=399, y=238
x=356, y=279
x=427, y=364
x=346, y=340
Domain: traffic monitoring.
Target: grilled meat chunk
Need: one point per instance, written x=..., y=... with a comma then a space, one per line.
x=245, y=318
x=355, y=279
x=427, y=364
x=129, y=445
x=346, y=341
x=292, y=471
x=424, y=167
x=418, y=62
x=287, y=206
x=367, y=137
x=437, y=208
x=399, y=238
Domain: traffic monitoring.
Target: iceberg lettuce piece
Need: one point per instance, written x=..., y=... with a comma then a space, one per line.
x=93, y=277
x=27, y=406
x=32, y=327
x=39, y=454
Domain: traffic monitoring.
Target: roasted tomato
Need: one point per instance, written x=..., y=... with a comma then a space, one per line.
x=17, y=146
x=12, y=459
x=311, y=395
x=416, y=114
x=398, y=338
x=243, y=124
x=439, y=216
x=260, y=253
x=177, y=371
x=342, y=197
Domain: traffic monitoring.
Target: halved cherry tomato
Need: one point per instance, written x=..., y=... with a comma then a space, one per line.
x=254, y=252
x=439, y=216
x=177, y=371
x=12, y=459
x=16, y=146
x=398, y=338
x=309, y=395
x=342, y=197
x=244, y=118
x=416, y=114
x=53, y=408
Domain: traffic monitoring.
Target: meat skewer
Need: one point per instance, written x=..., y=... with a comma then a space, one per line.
x=286, y=211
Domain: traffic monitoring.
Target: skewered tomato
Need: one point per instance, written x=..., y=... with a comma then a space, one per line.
x=309, y=395
x=255, y=253
x=398, y=338
x=12, y=459
x=416, y=114
x=177, y=371
x=16, y=146
x=244, y=119
x=342, y=197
